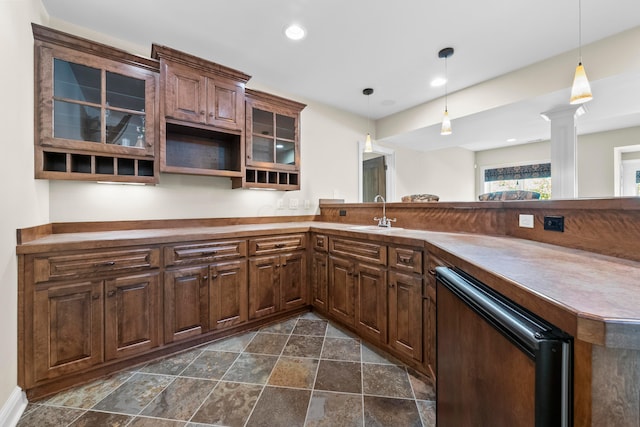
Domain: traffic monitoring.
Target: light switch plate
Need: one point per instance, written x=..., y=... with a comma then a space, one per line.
x=525, y=221
x=293, y=203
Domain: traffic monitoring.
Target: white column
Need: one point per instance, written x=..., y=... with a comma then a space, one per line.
x=564, y=147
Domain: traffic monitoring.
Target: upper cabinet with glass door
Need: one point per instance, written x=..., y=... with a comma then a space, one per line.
x=95, y=109
x=273, y=142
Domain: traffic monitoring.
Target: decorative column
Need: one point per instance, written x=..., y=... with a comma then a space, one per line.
x=564, y=147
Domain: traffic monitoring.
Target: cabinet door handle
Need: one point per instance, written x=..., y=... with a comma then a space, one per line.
x=214, y=276
x=202, y=112
x=432, y=272
x=95, y=296
x=211, y=114
x=392, y=285
x=277, y=265
x=205, y=278
x=105, y=264
x=111, y=293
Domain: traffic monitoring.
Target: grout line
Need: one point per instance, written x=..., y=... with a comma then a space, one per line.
x=315, y=376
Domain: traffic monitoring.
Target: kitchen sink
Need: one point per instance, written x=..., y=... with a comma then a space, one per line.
x=374, y=228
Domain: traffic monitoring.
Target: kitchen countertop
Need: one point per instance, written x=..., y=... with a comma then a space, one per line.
x=601, y=293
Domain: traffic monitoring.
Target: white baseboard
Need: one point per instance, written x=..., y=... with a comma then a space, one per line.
x=13, y=408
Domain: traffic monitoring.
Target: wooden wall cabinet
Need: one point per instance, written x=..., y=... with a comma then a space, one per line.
x=272, y=142
x=95, y=111
x=277, y=274
x=201, y=115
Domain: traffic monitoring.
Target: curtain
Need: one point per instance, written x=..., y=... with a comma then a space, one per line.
x=541, y=170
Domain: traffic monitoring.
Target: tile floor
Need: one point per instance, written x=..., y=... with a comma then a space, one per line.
x=300, y=372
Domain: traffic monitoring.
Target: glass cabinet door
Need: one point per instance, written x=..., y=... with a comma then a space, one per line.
x=96, y=105
x=273, y=138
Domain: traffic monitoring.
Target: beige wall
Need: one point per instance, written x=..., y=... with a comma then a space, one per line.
x=595, y=159
x=447, y=173
x=25, y=202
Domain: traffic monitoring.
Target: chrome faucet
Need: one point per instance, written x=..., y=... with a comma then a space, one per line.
x=384, y=221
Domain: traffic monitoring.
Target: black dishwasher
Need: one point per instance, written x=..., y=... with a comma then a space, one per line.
x=497, y=363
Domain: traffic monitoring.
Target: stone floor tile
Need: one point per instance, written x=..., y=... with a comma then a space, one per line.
x=328, y=409
x=339, y=376
x=234, y=344
x=86, y=396
x=95, y=418
x=172, y=365
x=334, y=331
x=341, y=349
x=266, y=343
x=155, y=422
x=310, y=327
x=422, y=388
x=303, y=346
x=311, y=315
x=281, y=328
x=294, y=372
x=132, y=396
x=427, y=411
x=386, y=380
x=280, y=407
x=180, y=400
x=229, y=404
x=386, y=411
x=251, y=368
x=373, y=355
x=49, y=416
x=210, y=365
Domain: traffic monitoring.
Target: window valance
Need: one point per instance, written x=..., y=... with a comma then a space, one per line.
x=540, y=170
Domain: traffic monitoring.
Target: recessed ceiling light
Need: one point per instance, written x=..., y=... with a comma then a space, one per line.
x=295, y=32
x=511, y=140
x=438, y=81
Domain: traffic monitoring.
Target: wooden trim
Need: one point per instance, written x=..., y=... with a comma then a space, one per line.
x=271, y=99
x=86, y=227
x=59, y=38
x=166, y=53
x=24, y=235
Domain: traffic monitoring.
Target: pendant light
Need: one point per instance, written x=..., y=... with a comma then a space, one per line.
x=368, y=146
x=446, y=122
x=581, y=90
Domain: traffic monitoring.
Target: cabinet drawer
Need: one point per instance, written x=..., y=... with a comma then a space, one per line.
x=320, y=242
x=58, y=267
x=405, y=259
x=362, y=251
x=276, y=244
x=194, y=253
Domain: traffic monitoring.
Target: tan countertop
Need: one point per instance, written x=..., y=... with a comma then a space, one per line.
x=600, y=293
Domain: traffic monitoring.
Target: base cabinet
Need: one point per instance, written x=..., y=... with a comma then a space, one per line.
x=406, y=314
x=67, y=329
x=132, y=315
x=186, y=311
x=342, y=290
x=228, y=303
x=371, y=301
x=320, y=281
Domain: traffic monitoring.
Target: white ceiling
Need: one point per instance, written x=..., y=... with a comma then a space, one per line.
x=389, y=46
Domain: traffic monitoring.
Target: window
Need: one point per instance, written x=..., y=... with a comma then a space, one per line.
x=535, y=177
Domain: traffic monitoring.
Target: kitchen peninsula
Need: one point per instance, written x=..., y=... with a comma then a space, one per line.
x=94, y=267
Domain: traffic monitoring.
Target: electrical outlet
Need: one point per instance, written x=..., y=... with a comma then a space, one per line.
x=307, y=204
x=280, y=204
x=525, y=221
x=293, y=203
x=554, y=223
x=343, y=212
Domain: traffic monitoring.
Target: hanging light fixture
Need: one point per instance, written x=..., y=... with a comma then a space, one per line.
x=446, y=122
x=581, y=90
x=368, y=146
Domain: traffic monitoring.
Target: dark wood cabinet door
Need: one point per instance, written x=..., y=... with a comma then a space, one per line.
x=341, y=290
x=293, y=286
x=132, y=315
x=405, y=314
x=264, y=289
x=225, y=104
x=228, y=294
x=186, y=303
x=431, y=327
x=67, y=329
x=371, y=302
x=319, y=280
x=185, y=94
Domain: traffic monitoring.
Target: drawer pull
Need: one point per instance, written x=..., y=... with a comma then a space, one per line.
x=105, y=264
x=280, y=245
x=95, y=296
